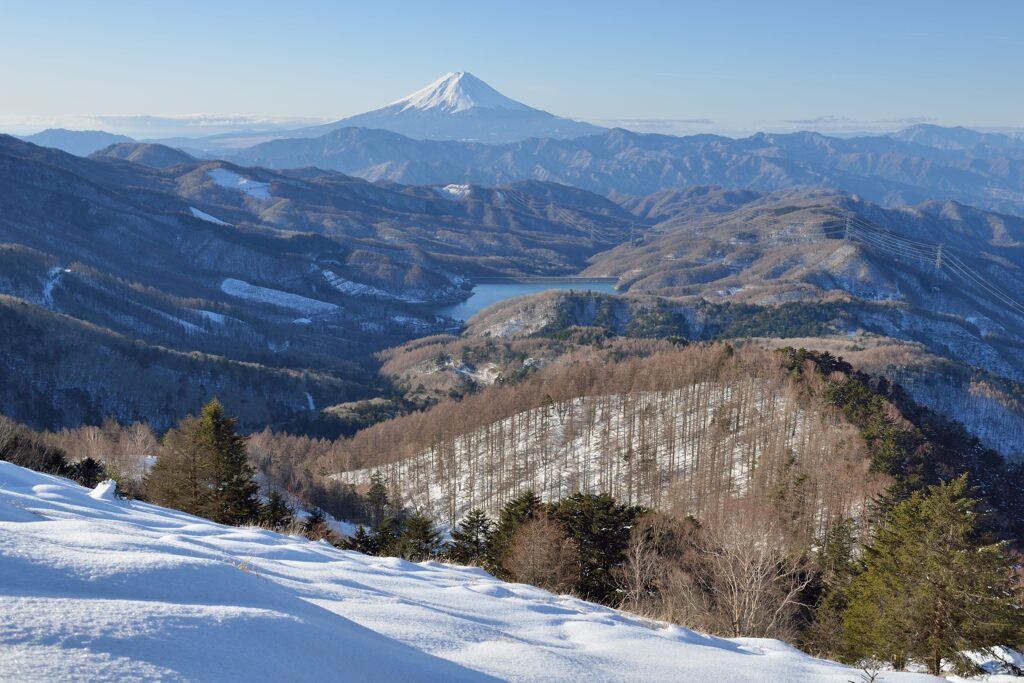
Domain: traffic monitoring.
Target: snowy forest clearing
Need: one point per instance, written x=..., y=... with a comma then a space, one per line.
x=97, y=588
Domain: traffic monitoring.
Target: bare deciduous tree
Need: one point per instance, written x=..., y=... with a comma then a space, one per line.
x=541, y=554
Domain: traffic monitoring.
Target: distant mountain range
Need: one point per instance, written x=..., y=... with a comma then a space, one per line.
x=79, y=142
x=979, y=169
x=459, y=130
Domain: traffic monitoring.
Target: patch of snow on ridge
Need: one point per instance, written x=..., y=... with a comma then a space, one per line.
x=295, y=302
x=203, y=216
x=218, y=318
x=101, y=592
x=353, y=288
x=359, y=289
x=232, y=181
x=453, y=192
x=53, y=275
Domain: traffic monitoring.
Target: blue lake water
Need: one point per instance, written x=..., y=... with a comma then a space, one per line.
x=488, y=294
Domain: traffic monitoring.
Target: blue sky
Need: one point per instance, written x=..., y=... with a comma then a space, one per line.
x=731, y=67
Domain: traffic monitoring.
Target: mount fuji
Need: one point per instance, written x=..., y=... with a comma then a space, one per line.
x=460, y=106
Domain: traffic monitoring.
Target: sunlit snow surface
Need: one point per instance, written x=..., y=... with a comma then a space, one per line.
x=455, y=92
x=94, y=588
x=266, y=295
x=233, y=181
x=203, y=216
x=453, y=192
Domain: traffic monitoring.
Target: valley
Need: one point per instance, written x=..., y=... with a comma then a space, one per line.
x=457, y=388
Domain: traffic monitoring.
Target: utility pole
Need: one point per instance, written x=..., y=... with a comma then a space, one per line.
x=846, y=226
x=938, y=258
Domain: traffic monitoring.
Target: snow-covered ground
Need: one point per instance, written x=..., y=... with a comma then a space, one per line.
x=233, y=181
x=266, y=295
x=594, y=444
x=52, y=278
x=363, y=290
x=94, y=588
x=453, y=192
x=203, y=216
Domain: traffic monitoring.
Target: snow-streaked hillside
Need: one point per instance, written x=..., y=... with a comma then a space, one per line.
x=698, y=446
x=95, y=588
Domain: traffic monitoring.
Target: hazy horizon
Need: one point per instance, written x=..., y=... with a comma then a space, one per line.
x=146, y=70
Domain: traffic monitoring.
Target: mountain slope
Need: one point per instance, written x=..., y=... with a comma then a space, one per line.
x=288, y=271
x=937, y=260
x=887, y=170
x=156, y=156
x=156, y=594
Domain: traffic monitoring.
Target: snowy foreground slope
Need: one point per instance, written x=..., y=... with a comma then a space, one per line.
x=95, y=588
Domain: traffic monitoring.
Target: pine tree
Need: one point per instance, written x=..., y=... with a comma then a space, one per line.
x=276, y=513
x=933, y=584
x=600, y=527
x=377, y=498
x=471, y=537
x=203, y=470
x=88, y=472
x=234, y=500
x=315, y=527
x=386, y=536
x=419, y=540
x=363, y=542
x=836, y=571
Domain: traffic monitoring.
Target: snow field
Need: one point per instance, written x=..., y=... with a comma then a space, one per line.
x=203, y=216
x=94, y=588
x=295, y=302
x=233, y=181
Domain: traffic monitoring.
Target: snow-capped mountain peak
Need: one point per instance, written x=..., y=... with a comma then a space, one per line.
x=457, y=91
x=460, y=106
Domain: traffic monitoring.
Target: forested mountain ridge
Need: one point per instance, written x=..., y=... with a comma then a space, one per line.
x=277, y=271
x=701, y=430
x=889, y=170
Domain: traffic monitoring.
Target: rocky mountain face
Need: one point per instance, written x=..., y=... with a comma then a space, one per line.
x=887, y=170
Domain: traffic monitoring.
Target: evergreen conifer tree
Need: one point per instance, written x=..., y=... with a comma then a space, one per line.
x=386, y=536
x=420, y=540
x=471, y=537
x=234, y=499
x=315, y=527
x=177, y=479
x=203, y=469
x=601, y=528
x=362, y=541
x=88, y=472
x=377, y=499
x=276, y=513
x=518, y=510
x=933, y=585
